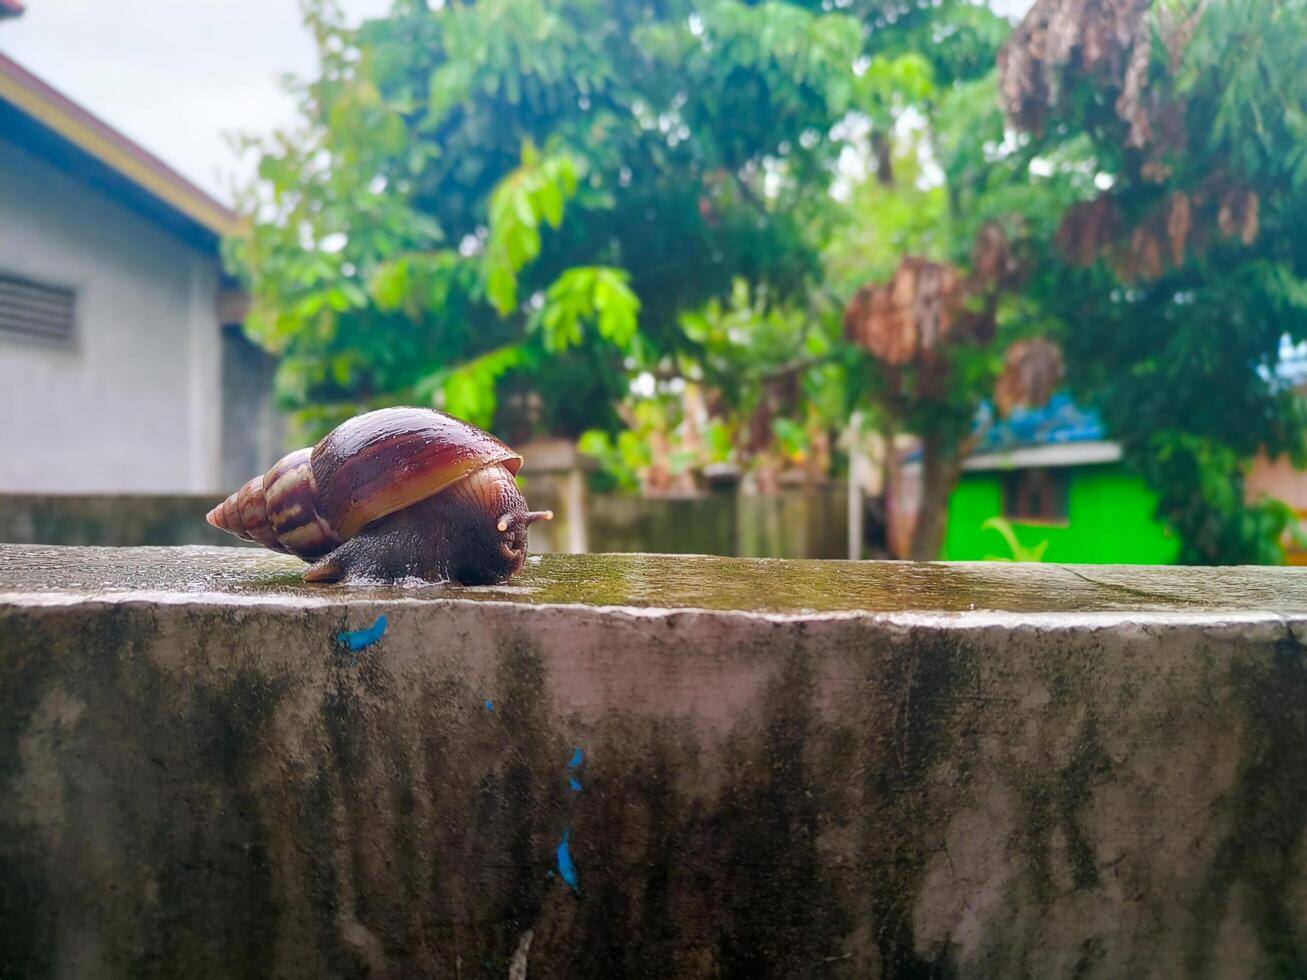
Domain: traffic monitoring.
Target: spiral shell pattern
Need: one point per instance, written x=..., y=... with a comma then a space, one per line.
x=367, y=468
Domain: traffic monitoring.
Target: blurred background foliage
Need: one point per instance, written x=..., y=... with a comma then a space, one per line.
x=693, y=233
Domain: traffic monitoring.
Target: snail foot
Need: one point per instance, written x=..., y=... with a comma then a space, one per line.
x=355, y=559
x=405, y=545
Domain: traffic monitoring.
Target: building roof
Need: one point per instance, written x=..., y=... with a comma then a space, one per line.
x=1063, y=434
x=44, y=122
x=1060, y=433
x=1059, y=422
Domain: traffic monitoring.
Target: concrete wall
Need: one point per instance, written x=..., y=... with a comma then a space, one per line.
x=790, y=525
x=1279, y=480
x=135, y=404
x=253, y=431
x=115, y=521
x=795, y=523
x=650, y=766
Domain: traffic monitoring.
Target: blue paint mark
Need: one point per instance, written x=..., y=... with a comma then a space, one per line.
x=576, y=787
x=490, y=706
x=566, y=869
x=576, y=759
x=362, y=639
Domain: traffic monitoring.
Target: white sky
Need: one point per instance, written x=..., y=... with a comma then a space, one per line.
x=176, y=75
x=173, y=75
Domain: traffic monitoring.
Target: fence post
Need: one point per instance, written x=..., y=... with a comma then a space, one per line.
x=574, y=510
x=859, y=465
x=565, y=467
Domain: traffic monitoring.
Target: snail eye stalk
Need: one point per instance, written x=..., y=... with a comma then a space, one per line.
x=506, y=522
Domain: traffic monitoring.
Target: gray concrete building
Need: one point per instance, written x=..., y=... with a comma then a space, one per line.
x=122, y=366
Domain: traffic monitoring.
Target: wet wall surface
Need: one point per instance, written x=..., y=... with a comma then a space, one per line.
x=674, y=582
x=649, y=766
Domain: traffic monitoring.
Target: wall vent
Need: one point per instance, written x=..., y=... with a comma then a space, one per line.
x=36, y=311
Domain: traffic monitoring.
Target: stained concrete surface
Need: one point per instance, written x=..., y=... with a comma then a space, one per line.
x=649, y=766
x=1047, y=593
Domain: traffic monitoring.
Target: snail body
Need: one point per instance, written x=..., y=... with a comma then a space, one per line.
x=395, y=493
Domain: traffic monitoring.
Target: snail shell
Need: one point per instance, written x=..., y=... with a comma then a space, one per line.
x=313, y=502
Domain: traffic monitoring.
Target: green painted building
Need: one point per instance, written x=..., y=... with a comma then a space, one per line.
x=1053, y=476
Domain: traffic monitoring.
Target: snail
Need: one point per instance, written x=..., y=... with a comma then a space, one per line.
x=391, y=494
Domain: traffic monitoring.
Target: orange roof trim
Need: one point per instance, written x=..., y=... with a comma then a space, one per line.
x=61, y=115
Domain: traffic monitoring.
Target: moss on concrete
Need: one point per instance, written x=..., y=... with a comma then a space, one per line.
x=1265, y=814
x=677, y=582
x=923, y=682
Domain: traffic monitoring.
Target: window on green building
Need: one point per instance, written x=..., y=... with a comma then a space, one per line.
x=1035, y=496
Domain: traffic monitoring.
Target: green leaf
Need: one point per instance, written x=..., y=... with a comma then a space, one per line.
x=550, y=201
x=501, y=287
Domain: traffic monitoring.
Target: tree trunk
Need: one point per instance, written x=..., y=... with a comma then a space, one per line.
x=889, y=482
x=939, y=474
x=883, y=153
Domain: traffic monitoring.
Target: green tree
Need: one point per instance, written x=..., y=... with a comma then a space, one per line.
x=777, y=383
x=763, y=386
x=504, y=208
x=941, y=234
x=943, y=194
x=1180, y=270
